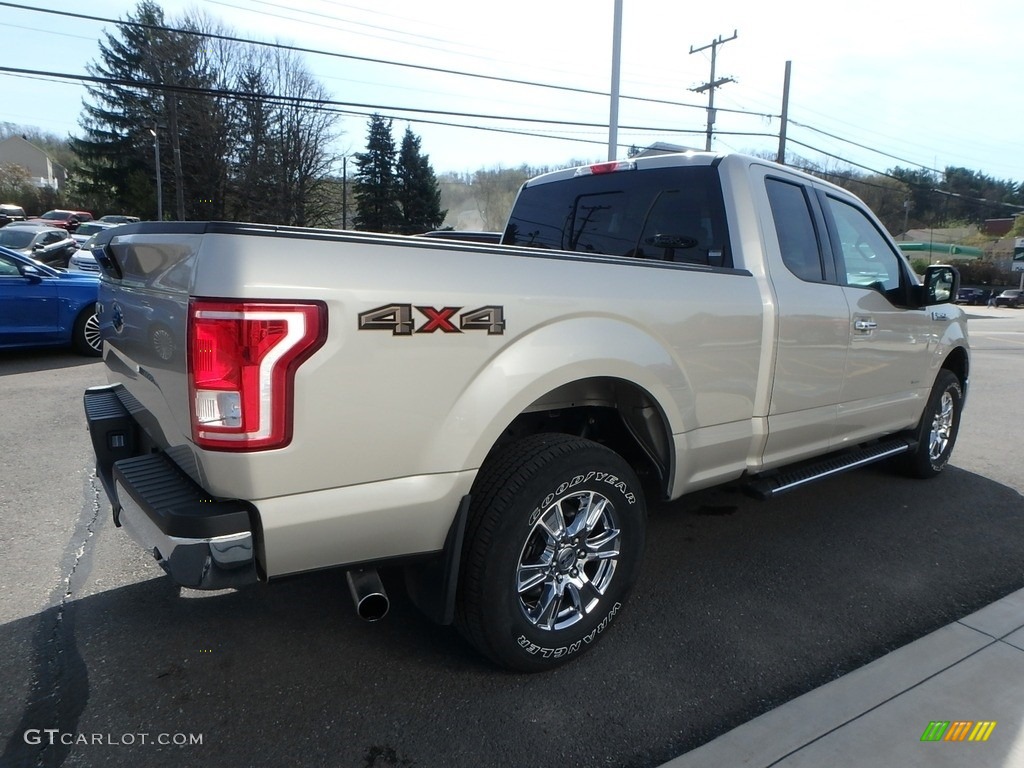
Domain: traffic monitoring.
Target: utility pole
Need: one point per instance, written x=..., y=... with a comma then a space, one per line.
x=613, y=117
x=781, y=156
x=712, y=84
x=344, y=191
x=159, y=181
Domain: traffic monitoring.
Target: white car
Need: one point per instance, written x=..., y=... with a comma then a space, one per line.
x=82, y=260
x=87, y=229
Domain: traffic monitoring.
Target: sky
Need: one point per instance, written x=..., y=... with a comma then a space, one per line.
x=874, y=84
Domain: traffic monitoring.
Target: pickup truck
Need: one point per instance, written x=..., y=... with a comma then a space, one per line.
x=491, y=418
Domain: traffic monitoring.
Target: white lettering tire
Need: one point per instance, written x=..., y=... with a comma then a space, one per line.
x=553, y=544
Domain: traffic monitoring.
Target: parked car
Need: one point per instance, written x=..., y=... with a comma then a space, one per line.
x=973, y=296
x=46, y=244
x=68, y=220
x=9, y=213
x=89, y=228
x=40, y=306
x=119, y=218
x=1012, y=297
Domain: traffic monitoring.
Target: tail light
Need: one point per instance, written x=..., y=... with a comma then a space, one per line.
x=599, y=169
x=241, y=371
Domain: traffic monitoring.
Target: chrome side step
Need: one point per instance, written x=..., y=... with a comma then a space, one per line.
x=770, y=484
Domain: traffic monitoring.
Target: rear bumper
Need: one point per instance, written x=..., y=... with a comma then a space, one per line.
x=201, y=542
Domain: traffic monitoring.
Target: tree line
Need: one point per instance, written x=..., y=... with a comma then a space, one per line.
x=240, y=132
x=243, y=133
x=230, y=144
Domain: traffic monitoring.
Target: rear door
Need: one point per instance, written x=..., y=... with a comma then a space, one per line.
x=812, y=321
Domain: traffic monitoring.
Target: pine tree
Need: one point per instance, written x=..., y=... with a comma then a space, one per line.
x=116, y=155
x=261, y=157
x=375, y=186
x=418, y=192
x=155, y=77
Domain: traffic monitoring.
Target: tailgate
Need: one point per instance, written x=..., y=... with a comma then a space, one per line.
x=143, y=310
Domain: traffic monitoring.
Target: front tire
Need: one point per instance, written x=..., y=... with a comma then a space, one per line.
x=939, y=426
x=553, y=545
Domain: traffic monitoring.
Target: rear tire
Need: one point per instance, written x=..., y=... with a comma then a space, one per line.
x=553, y=545
x=85, y=337
x=937, y=431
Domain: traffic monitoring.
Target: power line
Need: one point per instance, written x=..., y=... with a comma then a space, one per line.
x=349, y=108
x=922, y=187
x=224, y=92
x=338, y=106
x=863, y=146
x=352, y=57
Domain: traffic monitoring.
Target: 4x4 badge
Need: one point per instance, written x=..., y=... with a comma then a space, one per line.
x=399, y=319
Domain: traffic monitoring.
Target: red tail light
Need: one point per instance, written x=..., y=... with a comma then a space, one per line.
x=598, y=169
x=241, y=370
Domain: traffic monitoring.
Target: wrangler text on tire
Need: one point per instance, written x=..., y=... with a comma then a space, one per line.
x=553, y=544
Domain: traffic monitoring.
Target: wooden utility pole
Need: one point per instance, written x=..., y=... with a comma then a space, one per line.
x=712, y=84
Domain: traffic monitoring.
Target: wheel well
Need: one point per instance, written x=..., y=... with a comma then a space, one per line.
x=958, y=364
x=613, y=412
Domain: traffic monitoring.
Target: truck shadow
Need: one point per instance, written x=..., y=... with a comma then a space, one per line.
x=43, y=359
x=742, y=605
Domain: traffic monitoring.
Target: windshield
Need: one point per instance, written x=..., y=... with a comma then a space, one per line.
x=16, y=238
x=51, y=215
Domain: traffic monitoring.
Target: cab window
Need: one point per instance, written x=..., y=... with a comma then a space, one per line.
x=794, y=226
x=868, y=259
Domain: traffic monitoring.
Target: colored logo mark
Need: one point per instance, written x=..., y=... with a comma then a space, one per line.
x=958, y=730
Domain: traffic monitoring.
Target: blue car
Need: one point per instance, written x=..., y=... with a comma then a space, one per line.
x=42, y=306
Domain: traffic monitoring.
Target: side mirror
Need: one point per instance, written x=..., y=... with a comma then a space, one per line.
x=34, y=274
x=941, y=283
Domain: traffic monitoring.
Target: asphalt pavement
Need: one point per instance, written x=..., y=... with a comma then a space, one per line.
x=952, y=698
x=799, y=629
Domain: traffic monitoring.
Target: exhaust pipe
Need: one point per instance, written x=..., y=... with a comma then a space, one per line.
x=368, y=594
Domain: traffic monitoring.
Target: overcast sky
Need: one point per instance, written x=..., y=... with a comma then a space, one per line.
x=877, y=84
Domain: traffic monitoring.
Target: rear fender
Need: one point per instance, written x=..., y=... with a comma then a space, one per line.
x=535, y=366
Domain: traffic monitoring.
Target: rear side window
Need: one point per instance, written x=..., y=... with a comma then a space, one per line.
x=666, y=214
x=794, y=226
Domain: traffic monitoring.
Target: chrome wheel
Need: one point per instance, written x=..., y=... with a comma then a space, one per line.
x=942, y=427
x=91, y=333
x=568, y=561
x=553, y=543
x=935, y=434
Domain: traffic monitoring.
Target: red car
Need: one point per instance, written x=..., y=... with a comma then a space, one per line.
x=68, y=220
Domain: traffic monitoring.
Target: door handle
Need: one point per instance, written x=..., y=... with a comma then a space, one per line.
x=865, y=325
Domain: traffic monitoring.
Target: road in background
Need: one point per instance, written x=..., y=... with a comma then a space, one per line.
x=742, y=605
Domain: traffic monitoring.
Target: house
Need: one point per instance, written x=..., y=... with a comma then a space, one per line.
x=42, y=171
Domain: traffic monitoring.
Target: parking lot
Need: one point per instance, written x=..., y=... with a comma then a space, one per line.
x=742, y=605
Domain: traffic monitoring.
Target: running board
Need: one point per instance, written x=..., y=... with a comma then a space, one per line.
x=769, y=485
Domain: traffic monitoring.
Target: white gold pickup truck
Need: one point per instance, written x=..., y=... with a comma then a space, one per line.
x=491, y=418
